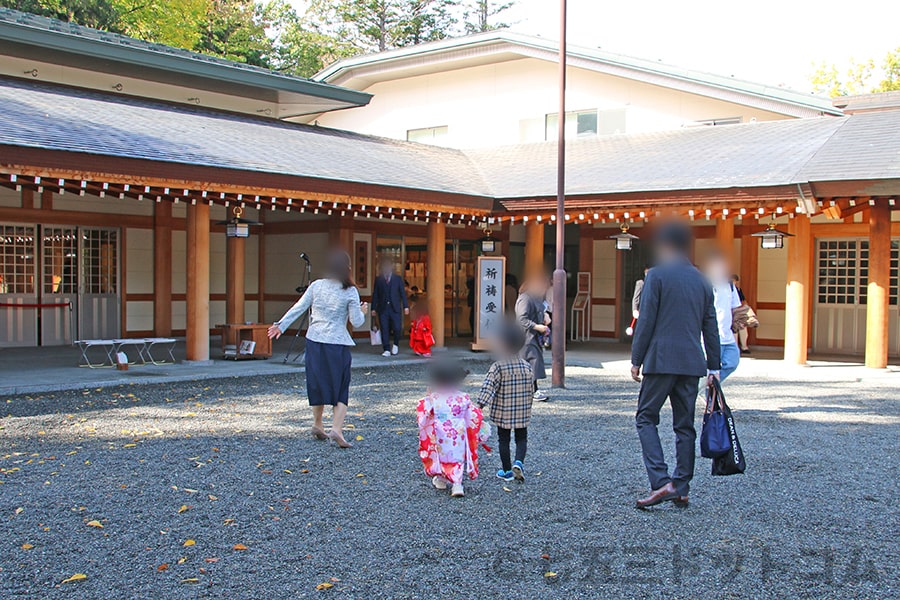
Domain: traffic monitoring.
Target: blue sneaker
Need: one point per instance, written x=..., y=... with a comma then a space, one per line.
x=519, y=471
x=505, y=475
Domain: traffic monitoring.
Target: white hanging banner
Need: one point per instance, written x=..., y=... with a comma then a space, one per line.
x=490, y=294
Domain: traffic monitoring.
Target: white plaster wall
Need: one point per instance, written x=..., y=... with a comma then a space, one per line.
x=285, y=270
x=10, y=198
x=492, y=105
x=603, y=318
x=139, y=316
x=139, y=259
x=111, y=204
x=772, y=275
x=603, y=281
x=179, y=262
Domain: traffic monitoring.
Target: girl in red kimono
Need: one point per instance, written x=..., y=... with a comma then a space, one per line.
x=421, y=337
x=451, y=428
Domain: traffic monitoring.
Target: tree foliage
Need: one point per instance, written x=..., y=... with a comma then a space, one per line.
x=274, y=34
x=480, y=15
x=859, y=77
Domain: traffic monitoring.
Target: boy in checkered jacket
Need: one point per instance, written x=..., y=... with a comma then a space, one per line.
x=508, y=391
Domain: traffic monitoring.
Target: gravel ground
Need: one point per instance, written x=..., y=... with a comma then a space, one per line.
x=216, y=490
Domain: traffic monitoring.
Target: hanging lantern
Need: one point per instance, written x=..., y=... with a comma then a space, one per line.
x=236, y=227
x=771, y=238
x=624, y=240
x=488, y=244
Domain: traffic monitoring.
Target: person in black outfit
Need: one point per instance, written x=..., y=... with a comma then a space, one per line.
x=389, y=304
x=677, y=310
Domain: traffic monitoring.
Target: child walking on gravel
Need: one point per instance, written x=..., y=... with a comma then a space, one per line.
x=508, y=390
x=450, y=429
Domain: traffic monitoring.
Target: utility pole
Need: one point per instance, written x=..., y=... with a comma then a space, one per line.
x=559, y=274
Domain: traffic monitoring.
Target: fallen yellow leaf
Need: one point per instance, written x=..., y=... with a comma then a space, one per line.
x=27, y=546
x=359, y=438
x=95, y=523
x=189, y=543
x=324, y=586
x=183, y=508
x=190, y=580
x=129, y=445
x=20, y=510
x=75, y=577
x=239, y=547
x=212, y=498
x=506, y=489
x=182, y=560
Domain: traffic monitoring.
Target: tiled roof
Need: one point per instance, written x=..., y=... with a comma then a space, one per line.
x=754, y=155
x=21, y=27
x=53, y=117
x=866, y=147
x=730, y=156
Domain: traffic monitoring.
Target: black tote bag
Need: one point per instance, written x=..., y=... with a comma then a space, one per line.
x=732, y=463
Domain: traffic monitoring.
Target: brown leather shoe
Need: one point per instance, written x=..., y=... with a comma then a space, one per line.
x=664, y=494
x=681, y=501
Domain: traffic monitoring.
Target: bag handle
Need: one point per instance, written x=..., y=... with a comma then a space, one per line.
x=713, y=395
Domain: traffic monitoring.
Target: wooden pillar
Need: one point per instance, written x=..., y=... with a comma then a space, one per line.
x=340, y=233
x=235, y=256
x=534, y=248
x=261, y=271
x=197, y=341
x=162, y=269
x=434, y=283
x=877, y=296
x=797, y=294
x=749, y=274
x=725, y=237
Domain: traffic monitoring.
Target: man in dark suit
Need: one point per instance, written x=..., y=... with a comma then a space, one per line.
x=389, y=304
x=677, y=310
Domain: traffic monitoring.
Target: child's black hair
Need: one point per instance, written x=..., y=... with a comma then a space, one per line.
x=511, y=337
x=447, y=372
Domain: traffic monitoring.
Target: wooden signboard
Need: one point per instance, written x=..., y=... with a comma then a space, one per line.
x=490, y=295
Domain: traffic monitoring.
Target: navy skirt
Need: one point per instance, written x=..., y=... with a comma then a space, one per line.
x=327, y=373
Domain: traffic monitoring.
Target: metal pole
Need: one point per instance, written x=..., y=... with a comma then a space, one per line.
x=559, y=275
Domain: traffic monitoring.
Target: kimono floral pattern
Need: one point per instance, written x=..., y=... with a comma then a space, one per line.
x=449, y=428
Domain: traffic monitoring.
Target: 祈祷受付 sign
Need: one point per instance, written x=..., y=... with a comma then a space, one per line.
x=490, y=295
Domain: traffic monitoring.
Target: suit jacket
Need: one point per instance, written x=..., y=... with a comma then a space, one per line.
x=389, y=295
x=677, y=311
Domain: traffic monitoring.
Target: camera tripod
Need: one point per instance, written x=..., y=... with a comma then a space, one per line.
x=304, y=321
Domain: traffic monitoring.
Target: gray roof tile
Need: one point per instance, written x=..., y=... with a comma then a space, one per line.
x=59, y=118
x=862, y=146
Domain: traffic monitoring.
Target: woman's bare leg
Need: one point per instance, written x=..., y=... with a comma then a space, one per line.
x=337, y=425
x=318, y=428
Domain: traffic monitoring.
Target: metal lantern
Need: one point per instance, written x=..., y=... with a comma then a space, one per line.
x=624, y=240
x=236, y=227
x=488, y=244
x=771, y=238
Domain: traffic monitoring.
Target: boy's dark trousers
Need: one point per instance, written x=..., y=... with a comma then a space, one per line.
x=504, y=436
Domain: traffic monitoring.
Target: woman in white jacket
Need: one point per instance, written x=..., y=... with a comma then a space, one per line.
x=332, y=301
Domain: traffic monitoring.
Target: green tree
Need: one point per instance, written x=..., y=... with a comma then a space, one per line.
x=236, y=30
x=378, y=25
x=480, y=15
x=300, y=48
x=175, y=23
x=99, y=14
x=859, y=78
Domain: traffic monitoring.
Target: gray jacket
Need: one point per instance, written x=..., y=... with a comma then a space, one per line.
x=330, y=306
x=677, y=311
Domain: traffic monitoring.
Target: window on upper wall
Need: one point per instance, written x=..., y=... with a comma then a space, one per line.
x=436, y=136
x=712, y=122
x=582, y=123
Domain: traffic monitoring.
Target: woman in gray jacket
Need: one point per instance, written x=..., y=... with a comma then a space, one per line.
x=332, y=301
x=532, y=317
